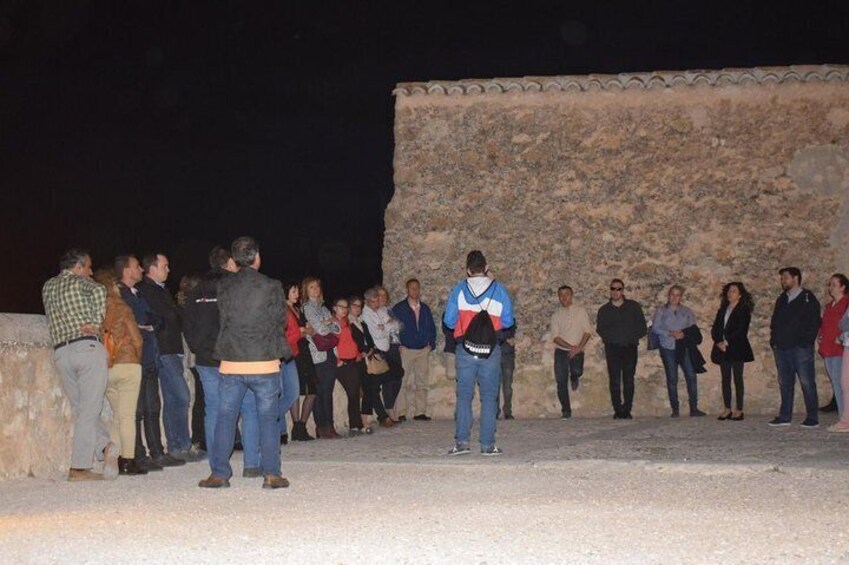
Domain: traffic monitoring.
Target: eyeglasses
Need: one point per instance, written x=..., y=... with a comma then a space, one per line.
x=356, y=305
x=617, y=288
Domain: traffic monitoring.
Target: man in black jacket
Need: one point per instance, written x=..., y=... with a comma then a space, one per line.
x=620, y=324
x=793, y=332
x=251, y=342
x=169, y=338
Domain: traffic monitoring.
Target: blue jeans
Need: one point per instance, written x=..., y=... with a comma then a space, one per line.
x=486, y=374
x=790, y=363
x=833, y=366
x=291, y=389
x=175, y=402
x=233, y=389
x=210, y=379
x=670, y=365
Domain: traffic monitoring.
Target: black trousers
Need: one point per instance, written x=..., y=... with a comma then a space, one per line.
x=392, y=385
x=621, y=367
x=148, y=410
x=350, y=378
x=198, y=431
x=726, y=368
x=325, y=380
x=372, y=402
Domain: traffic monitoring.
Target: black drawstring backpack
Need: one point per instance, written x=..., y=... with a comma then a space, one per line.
x=480, y=337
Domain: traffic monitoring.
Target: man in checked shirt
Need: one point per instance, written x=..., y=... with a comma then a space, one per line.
x=75, y=306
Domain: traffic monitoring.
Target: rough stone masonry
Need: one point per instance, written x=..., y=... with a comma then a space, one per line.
x=696, y=178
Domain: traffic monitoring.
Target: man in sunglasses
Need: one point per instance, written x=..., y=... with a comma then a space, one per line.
x=621, y=324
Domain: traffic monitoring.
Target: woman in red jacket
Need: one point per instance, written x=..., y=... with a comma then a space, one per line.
x=829, y=346
x=297, y=331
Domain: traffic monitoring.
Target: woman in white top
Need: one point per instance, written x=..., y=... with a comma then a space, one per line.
x=325, y=327
x=382, y=326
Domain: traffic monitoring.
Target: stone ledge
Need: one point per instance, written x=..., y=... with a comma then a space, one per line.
x=629, y=81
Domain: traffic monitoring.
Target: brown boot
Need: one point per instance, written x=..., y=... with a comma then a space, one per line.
x=214, y=482
x=387, y=423
x=274, y=481
x=75, y=475
x=331, y=433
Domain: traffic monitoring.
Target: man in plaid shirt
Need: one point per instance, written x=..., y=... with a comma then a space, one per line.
x=75, y=306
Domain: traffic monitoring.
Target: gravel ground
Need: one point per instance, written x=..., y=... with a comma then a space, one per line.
x=578, y=491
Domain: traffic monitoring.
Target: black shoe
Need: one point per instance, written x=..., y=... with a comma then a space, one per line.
x=696, y=413
x=284, y=439
x=627, y=416
x=830, y=407
x=675, y=413
x=723, y=417
x=565, y=415
x=165, y=460
x=401, y=419
x=739, y=418
x=130, y=467
x=509, y=417
x=148, y=464
x=422, y=418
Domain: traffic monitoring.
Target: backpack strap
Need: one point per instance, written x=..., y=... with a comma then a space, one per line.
x=482, y=294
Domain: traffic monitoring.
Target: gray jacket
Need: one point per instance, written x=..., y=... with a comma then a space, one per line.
x=252, y=311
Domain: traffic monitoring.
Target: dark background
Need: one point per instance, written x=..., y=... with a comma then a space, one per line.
x=135, y=126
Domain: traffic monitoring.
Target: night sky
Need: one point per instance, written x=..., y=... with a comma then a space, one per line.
x=136, y=126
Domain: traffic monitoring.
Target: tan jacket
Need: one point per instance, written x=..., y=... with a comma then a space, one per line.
x=121, y=323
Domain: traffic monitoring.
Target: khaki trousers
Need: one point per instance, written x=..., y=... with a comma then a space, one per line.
x=412, y=400
x=122, y=391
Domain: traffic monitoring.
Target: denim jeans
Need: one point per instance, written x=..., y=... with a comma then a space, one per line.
x=790, y=363
x=486, y=374
x=210, y=379
x=566, y=367
x=175, y=402
x=833, y=366
x=670, y=365
x=325, y=373
x=232, y=391
x=290, y=390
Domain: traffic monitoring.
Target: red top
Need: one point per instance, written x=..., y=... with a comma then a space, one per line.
x=347, y=348
x=293, y=332
x=829, y=329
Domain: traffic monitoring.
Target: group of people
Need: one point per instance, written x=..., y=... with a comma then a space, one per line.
x=260, y=350
x=263, y=349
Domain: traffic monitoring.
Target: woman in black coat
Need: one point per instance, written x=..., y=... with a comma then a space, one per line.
x=731, y=347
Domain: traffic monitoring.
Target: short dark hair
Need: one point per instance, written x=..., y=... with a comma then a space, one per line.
x=475, y=262
x=73, y=257
x=151, y=259
x=844, y=282
x=219, y=256
x=565, y=287
x=244, y=250
x=121, y=263
x=620, y=281
x=792, y=271
x=411, y=281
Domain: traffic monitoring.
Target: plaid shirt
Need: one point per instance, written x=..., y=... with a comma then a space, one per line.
x=70, y=302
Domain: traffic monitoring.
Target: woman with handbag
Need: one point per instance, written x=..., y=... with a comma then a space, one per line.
x=382, y=327
x=731, y=347
x=373, y=368
x=321, y=344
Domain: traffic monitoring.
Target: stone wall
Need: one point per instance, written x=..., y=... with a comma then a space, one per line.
x=695, y=178
x=35, y=429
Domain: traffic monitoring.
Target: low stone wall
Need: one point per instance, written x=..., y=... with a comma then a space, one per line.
x=694, y=178
x=35, y=428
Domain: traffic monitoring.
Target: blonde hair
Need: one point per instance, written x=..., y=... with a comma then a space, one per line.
x=305, y=296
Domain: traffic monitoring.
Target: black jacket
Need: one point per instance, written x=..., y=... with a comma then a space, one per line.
x=689, y=347
x=362, y=338
x=252, y=315
x=621, y=325
x=735, y=333
x=170, y=336
x=200, y=318
x=796, y=323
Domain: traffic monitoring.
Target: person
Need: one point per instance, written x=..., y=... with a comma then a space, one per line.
x=478, y=293
x=382, y=326
x=197, y=409
x=297, y=326
x=348, y=358
x=322, y=322
x=392, y=389
x=842, y=425
x=621, y=324
x=289, y=381
x=150, y=453
x=570, y=332
x=731, y=347
x=449, y=351
x=75, y=306
x=830, y=347
x=793, y=331
x=418, y=339
x=508, y=367
x=251, y=341
x=670, y=325
x=175, y=389
x=124, y=375
x=370, y=384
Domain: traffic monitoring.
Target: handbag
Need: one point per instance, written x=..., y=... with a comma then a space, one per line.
x=325, y=342
x=376, y=365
